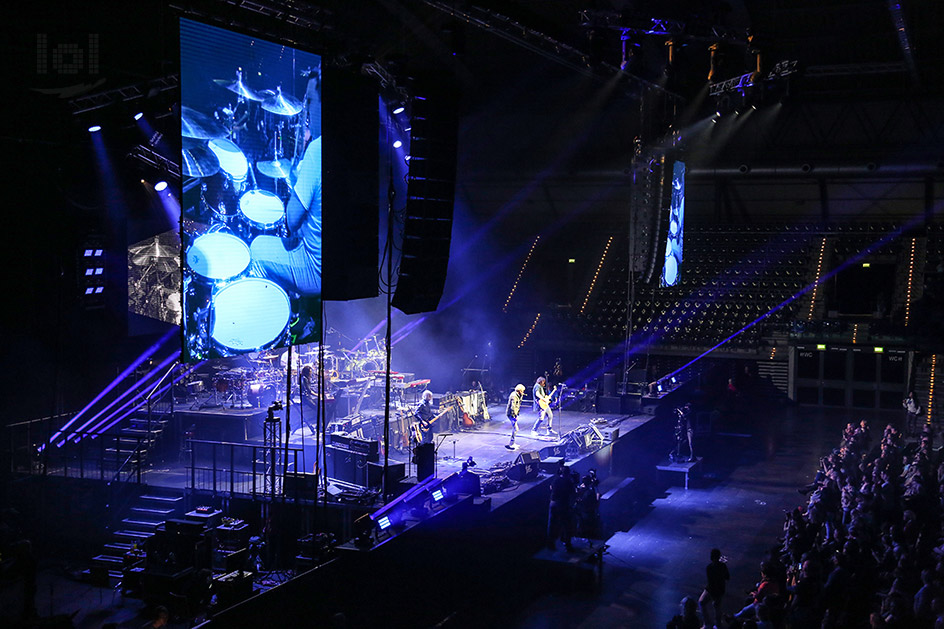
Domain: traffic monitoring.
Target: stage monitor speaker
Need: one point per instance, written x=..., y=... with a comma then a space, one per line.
x=526, y=467
x=301, y=485
x=427, y=229
x=463, y=483
x=556, y=450
x=424, y=455
x=395, y=471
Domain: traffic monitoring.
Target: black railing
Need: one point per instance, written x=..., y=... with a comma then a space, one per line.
x=223, y=467
x=105, y=456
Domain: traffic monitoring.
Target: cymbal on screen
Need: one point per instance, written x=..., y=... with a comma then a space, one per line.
x=239, y=88
x=196, y=125
x=199, y=162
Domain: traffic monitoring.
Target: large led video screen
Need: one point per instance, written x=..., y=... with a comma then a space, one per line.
x=251, y=197
x=671, y=270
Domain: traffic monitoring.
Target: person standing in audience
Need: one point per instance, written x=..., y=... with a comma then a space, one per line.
x=717, y=577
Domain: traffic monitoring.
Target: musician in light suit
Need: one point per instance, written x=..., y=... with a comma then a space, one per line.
x=542, y=400
x=424, y=414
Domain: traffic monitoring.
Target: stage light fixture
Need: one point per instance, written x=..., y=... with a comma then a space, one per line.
x=160, y=186
x=397, y=144
x=383, y=523
x=95, y=128
x=139, y=115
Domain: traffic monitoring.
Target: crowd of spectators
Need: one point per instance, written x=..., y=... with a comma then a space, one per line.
x=867, y=550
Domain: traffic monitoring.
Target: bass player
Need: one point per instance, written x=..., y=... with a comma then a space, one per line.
x=424, y=416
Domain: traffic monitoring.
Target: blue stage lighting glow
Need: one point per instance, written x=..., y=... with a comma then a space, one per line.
x=399, y=110
x=95, y=128
x=384, y=523
x=139, y=115
x=397, y=144
x=160, y=186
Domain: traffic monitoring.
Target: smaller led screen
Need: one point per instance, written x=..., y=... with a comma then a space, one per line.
x=251, y=203
x=673, y=246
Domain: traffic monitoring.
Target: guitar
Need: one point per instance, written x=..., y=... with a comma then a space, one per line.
x=420, y=428
x=545, y=402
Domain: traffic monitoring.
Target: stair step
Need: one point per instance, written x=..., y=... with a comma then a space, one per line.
x=152, y=510
x=144, y=523
x=134, y=534
x=121, y=450
x=109, y=559
x=162, y=498
x=119, y=546
x=140, y=432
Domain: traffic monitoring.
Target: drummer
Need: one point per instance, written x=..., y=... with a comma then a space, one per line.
x=295, y=261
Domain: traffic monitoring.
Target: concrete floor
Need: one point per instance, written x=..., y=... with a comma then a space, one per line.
x=753, y=466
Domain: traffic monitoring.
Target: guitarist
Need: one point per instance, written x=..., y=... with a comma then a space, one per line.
x=424, y=415
x=542, y=400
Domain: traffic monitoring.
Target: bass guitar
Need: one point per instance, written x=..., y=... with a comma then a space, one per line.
x=420, y=428
x=545, y=402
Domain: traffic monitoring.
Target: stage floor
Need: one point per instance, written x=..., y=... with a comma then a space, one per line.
x=484, y=444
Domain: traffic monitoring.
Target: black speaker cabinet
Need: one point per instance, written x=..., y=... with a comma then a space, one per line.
x=526, y=467
x=607, y=404
x=424, y=455
x=347, y=466
x=395, y=471
x=301, y=485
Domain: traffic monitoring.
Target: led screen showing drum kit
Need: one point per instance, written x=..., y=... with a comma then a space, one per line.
x=673, y=246
x=251, y=198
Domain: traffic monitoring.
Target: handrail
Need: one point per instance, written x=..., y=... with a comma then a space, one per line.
x=135, y=453
x=39, y=419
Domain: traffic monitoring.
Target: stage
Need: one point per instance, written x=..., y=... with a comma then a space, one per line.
x=483, y=444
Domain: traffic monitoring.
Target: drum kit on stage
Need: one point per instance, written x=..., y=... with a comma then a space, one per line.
x=261, y=376
x=238, y=178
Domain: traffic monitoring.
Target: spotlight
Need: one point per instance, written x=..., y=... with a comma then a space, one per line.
x=397, y=144
x=744, y=169
x=139, y=115
x=399, y=110
x=95, y=128
x=160, y=186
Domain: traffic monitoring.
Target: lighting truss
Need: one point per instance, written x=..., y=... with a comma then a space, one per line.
x=146, y=155
x=740, y=83
x=539, y=43
x=386, y=80
x=98, y=100
x=661, y=27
